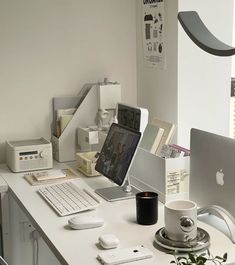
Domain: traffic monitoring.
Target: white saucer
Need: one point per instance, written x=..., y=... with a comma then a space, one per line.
x=202, y=241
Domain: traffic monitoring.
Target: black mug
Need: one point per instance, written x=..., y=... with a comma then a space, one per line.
x=147, y=207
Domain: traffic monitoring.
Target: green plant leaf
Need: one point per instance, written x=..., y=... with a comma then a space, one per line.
x=200, y=262
x=180, y=258
x=172, y=261
x=192, y=257
x=202, y=259
x=225, y=256
x=203, y=254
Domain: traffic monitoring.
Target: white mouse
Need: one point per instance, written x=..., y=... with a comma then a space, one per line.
x=85, y=221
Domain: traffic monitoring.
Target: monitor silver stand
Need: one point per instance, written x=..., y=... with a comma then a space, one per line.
x=118, y=193
x=222, y=213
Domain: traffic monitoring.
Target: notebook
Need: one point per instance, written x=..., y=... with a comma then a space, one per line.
x=151, y=138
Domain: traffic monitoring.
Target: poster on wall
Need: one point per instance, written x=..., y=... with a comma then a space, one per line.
x=153, y=33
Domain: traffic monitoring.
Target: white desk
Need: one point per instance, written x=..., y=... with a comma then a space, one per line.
x=75, y=247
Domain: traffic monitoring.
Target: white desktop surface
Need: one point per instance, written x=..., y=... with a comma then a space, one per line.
x=75, y=247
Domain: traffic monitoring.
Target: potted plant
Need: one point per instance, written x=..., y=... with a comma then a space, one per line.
x=192, y=258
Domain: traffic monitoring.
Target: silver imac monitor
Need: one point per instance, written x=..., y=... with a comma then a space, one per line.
x=212, y=175
x=115, y=159
x=212, y=170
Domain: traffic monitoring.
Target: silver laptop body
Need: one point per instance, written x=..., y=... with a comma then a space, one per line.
x=212, y=170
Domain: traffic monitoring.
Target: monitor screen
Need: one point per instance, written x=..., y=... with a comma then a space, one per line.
x=117, y=152
x=129, y=116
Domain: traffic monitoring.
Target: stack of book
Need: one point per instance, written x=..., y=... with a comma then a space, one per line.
x=156, y=135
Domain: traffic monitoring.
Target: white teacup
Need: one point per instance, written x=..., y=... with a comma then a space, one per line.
x=181, y=220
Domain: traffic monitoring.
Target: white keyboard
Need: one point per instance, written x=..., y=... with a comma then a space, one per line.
x=66, y=198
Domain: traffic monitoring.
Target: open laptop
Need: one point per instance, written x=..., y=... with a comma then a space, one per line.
x=212, y=170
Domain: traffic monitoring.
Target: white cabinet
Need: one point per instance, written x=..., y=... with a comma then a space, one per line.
x=18, y=245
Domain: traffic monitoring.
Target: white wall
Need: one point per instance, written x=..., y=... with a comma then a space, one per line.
x=204, y=79
x=52, y=48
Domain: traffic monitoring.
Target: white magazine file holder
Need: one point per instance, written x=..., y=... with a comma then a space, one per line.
x=168, y=177
x=64, y=147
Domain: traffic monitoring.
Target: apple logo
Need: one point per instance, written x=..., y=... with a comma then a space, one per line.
x=220, y=177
